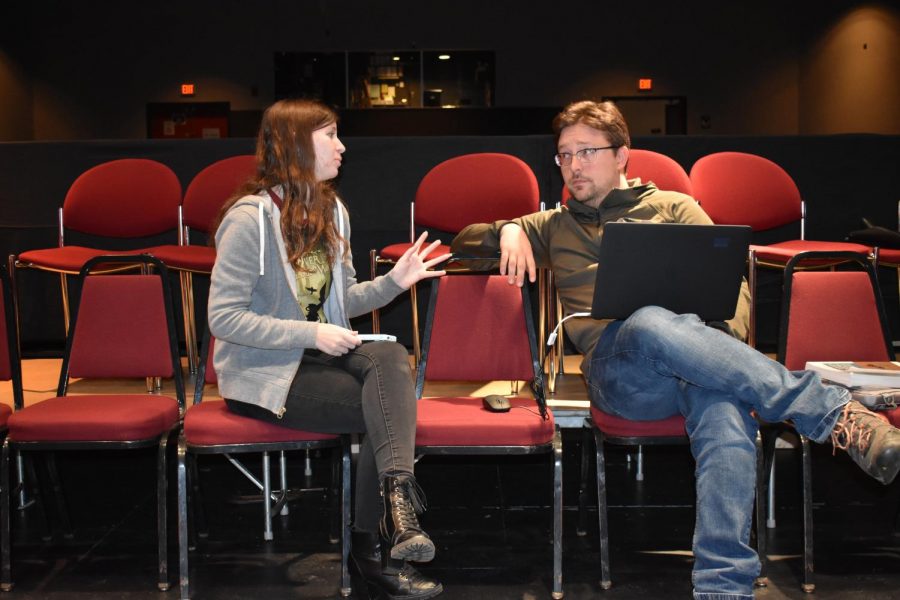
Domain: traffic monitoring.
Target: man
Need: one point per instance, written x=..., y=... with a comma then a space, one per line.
x=656, y=364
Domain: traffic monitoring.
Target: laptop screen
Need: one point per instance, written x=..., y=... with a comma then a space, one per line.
x=684, y=268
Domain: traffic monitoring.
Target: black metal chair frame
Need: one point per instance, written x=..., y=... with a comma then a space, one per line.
x=161, y=441
x=771, y=431
x=554, y=447
x=188, y=476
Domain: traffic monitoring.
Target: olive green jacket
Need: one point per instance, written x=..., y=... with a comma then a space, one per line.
x=567, y=240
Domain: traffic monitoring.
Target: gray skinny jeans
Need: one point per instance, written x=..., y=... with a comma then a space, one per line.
x=369, y=391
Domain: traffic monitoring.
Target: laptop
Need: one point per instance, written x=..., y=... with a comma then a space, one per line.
x=684, y=268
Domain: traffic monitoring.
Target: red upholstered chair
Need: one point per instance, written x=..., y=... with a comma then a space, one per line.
x=472, y=188
x=210, y=428
x=610, y=429
x=123, y=328
x=479, y=328
x=736, y=188
x=129, y=198
x=203, y=198
x=826, y=315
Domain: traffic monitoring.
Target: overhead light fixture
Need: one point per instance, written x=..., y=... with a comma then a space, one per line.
x=443, y=57
x=396, y=58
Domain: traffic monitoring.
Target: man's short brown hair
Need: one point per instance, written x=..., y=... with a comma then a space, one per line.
x=602, y=116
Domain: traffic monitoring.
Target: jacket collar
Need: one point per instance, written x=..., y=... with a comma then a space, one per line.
x=616, y=198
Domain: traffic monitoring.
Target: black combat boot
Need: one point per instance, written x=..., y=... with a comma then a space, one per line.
x=403, y=500
x=379, y=576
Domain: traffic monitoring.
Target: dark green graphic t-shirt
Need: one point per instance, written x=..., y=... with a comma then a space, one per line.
x=313, y=284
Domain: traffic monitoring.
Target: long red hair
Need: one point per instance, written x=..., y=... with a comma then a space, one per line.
x=285, y=156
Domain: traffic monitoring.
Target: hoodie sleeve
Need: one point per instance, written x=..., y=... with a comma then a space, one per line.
x=242, y=309
x=483, y=239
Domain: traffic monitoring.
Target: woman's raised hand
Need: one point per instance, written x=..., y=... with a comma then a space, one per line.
x=412, y=266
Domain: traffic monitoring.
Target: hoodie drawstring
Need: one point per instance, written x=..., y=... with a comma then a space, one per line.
x=262, y=241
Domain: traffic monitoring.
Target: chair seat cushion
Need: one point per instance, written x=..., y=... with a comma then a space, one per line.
x=782, y=252
x=199, y=259
x=395, y=251
x=110, y=417
x=618, y=427
x=69, y=259
x=463, y=421
x=210, y=423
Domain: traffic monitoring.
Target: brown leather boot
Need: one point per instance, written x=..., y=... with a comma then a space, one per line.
x=872, y=442
x=379, y=576
x=403, y=500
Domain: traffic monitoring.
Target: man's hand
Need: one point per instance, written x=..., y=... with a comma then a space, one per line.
x=335, y=340
x=516, y=256
x=412, y=266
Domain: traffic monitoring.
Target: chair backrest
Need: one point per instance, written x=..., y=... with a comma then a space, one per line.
x=10, y=364
x=479, y=328
x=209, y=189
x=736, y=188
x=123, y=326
x=832, y=315
x=130, y=197
x=475, y=188
x=648, y=165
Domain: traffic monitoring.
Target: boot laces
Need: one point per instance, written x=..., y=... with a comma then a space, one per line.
x=412, y=503
x=854, y=427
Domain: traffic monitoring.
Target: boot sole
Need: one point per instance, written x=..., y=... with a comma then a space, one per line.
x=415, y=549
x=423, y=596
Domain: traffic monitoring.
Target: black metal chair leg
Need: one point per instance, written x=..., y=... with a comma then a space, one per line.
x=809, y=584
x=345, y=515
x=334, y=497
x=602, y=520
x=6, y=583
x=581, y=528
x=762, y=478
x=162, y=522
x=59, y=496
x=557, y=592
x=37, y=497
x=201, y=528
x=183, y=569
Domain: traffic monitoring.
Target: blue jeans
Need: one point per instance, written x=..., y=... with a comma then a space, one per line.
x=656, y=364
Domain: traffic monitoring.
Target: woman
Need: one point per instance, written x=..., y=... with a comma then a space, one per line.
x=282, y=293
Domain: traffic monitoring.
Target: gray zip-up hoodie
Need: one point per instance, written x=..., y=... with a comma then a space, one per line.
x=253, y=311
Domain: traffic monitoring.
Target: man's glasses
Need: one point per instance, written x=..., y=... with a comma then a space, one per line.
x=585, y=156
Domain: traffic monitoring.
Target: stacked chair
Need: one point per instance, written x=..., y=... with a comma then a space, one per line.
x=472, y=188
x=480, y=328
x=123, y=327
x=825, y=316
x=125, y=199
x=204, y=197
x=210, y=428
x=737, y=188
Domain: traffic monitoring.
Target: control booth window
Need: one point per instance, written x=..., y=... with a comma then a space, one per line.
x=388, y=79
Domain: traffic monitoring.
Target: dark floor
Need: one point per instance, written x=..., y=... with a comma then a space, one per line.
x=483, y=550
